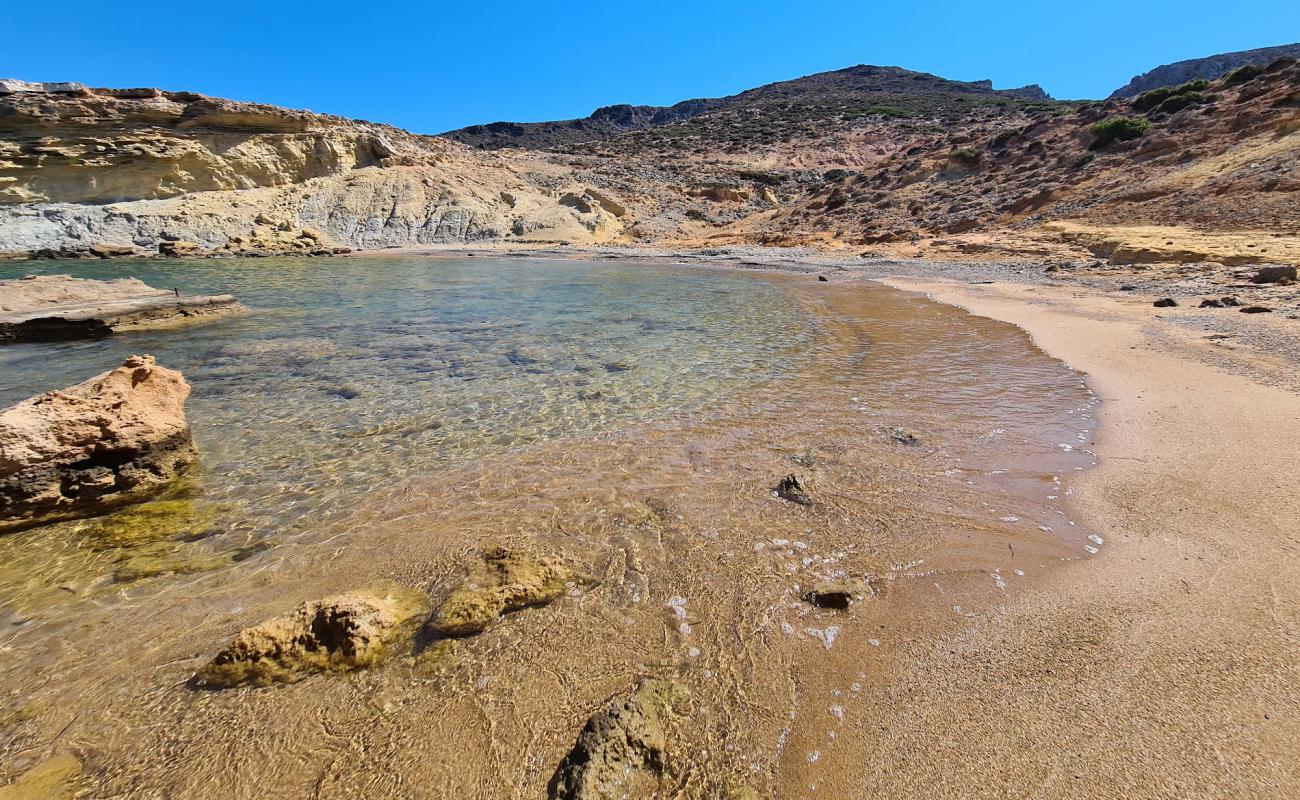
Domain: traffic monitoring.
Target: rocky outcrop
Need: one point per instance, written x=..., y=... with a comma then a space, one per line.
x=345, y=632
x=622, y=751
x=58, y=307
x=1207, y=68
x=504, y=582
x=116, y=438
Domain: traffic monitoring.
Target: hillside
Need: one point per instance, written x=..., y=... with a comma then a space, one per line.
x=1208, y=69
x=602, y=124
x=776, y=110
x=861, y=161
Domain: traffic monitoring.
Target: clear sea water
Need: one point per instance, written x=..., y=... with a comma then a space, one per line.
x=349, y=374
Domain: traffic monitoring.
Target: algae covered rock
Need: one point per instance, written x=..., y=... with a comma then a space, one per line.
x=116, y=438
x=622, y=751
x=506, y=581
x=345, y=632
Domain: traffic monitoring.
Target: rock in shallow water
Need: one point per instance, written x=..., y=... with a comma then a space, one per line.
x=506, y=581
x=116, y=438
x=345, y=632
x=622, y=750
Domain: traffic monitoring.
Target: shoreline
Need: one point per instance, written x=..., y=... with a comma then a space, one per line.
x=1186, y=638
x=1177, y=644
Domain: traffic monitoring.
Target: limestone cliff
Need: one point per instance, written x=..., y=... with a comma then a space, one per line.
x=140, y=167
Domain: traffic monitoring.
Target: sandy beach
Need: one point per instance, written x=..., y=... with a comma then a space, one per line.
x=1166, y=667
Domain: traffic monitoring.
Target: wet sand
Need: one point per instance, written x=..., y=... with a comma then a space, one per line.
x=1169, y=666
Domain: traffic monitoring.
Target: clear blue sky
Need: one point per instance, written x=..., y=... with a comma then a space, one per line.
x=431, y=66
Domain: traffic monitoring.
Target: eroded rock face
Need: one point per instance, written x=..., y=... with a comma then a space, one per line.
x=345, y=632
x=622, y=751
x=506, y=581
x=113, y=439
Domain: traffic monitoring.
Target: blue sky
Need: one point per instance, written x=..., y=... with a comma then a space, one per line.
x=432, y=66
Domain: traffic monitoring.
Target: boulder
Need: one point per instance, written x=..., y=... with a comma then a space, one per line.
x=1165, y=302
x=506, y=581
x=116, y=438
x=337, y=634
x=113, y=250
x=1274, y=274
x=622, y=750
x=179, y=249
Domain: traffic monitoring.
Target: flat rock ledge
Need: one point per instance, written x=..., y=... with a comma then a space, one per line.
x=60, y=307
x=116, y=438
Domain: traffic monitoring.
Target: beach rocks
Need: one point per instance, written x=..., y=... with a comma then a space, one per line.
x=505, y=581
x=113, y=439
x=345, y=632
x=622, y=751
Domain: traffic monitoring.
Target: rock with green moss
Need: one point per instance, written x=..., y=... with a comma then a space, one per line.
x=345, y=632
x=505, y=581
x=623, y=748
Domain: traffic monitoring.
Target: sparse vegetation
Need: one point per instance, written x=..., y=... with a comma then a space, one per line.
x=1156, y=97
x=1178, y=102
x=1118, y=129
x=966, y=155
x=1242, y=74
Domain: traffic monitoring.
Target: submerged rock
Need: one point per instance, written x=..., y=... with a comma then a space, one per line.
x=116, y=438
x=622, y=751
x=840, y=594
x=506, y=581
x=904, y=436
x=345, y=632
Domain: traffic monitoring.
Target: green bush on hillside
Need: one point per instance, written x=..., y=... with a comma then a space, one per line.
x=1246, y=72
x=1178, y=102
x=1149, y=100
x=1118, y=129
x=966, y=155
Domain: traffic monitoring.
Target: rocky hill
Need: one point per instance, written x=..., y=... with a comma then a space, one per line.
x=1207, y=69
x=602, y=124
x=775, y=109
x=867, y=160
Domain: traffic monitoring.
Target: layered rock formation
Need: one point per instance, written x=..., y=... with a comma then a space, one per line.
x=113, y=439
x=146, y=169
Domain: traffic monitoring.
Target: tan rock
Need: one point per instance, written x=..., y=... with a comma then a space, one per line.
x=345, y=632
x=506, y=581
x=116, y=438
x=179, y=249
x=622, y=751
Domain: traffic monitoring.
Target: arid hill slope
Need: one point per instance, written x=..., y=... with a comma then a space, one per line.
x=868, y=160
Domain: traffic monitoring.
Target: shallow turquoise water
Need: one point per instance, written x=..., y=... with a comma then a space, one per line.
x=351, y=374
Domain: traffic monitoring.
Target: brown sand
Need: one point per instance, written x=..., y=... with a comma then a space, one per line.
x=1170, y=665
